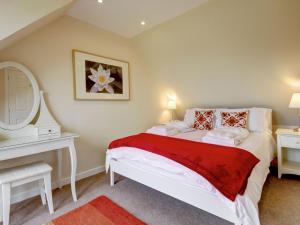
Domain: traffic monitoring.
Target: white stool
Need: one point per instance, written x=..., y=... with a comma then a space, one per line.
x=16, y=176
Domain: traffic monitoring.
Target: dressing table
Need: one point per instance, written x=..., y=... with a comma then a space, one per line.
x=21, y=103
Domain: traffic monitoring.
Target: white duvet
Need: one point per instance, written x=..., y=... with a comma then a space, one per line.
x=245, y=206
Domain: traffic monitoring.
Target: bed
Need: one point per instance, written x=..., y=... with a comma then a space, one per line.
x=176, y=180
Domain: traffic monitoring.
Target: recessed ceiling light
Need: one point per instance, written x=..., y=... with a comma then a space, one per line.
x=143, y=23
x=100, y=1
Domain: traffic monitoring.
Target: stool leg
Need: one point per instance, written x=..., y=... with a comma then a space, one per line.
x=42, y=192
x=6, y=203
x=48, y=190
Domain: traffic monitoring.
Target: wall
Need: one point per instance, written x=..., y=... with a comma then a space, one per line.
x=224, y=53
x=2, y=112
x=228, y=53
x=48, y=54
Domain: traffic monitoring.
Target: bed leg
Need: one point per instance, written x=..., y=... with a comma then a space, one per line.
x=112, y=177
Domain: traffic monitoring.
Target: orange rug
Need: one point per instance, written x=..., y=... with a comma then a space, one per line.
x=101, y=211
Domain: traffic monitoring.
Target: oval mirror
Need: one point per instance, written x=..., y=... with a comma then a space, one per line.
x=19, y=96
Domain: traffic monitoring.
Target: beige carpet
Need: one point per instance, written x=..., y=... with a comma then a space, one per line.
x=280, y=203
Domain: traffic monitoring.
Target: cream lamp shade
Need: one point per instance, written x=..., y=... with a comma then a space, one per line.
x=171, y=104
x=295, y=101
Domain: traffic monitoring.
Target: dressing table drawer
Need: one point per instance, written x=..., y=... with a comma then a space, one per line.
x=48, y=130
x=290, y=141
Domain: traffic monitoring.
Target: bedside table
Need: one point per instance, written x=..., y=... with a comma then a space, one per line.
x=287, y=138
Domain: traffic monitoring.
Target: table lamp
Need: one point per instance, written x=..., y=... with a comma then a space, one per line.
x=171, y=106
x=295, y=103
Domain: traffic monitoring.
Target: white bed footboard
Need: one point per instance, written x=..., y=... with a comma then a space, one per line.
x=184, y=192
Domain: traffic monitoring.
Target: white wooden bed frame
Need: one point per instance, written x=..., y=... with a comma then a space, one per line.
x=179, y=190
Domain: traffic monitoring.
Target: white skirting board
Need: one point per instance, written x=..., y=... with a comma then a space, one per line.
x=20, y=196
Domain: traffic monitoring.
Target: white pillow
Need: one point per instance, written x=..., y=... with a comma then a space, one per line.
x=260, y=120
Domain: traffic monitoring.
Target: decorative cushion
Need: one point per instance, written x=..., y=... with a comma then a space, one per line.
x=204, y=120
x=189, y=116
x=234, y=119
x=258, y=120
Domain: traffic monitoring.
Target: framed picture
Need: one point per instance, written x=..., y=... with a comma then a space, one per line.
x=100, y=78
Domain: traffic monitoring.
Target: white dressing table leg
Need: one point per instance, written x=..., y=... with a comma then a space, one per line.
x=59, y=167
x=73, y=156
x=1, y=204
x=6, y=203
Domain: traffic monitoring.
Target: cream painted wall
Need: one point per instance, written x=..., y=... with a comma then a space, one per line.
x=228, y=53
x=224, y=53
x=2, y=113
x=48, y=54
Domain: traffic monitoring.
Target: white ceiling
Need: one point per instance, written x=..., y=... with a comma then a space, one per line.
x=124, y=16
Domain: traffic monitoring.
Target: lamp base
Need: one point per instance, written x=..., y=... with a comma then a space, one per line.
x=297, y=129
x=172, y=115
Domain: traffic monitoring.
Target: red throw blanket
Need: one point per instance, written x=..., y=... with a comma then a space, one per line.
x=227, y=168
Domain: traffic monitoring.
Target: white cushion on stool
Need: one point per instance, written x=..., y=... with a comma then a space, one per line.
x=16, y=176
x=22, y=172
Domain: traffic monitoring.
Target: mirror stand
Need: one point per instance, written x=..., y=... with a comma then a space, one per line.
x=45, y=125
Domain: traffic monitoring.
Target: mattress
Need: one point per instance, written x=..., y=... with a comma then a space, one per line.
x=245, y=206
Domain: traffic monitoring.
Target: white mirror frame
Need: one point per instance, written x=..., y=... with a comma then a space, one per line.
x=36, y=96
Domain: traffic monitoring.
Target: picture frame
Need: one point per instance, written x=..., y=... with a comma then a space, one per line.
x=99, y=78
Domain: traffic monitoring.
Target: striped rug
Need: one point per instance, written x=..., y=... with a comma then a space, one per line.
x=101, y=211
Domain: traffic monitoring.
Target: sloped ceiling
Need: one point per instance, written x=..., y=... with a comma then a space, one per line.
x=18, y=18
x=124, y=16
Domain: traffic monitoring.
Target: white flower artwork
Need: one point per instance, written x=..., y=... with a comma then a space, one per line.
x=99, y=78
x=102, y=80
